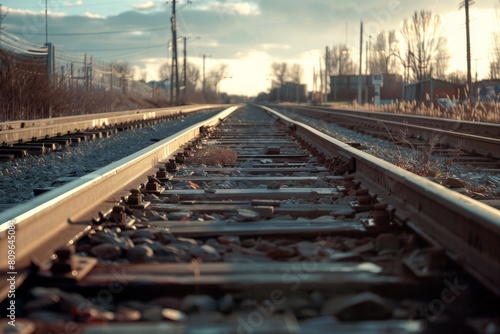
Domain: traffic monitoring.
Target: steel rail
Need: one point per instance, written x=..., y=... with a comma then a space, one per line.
x=43, y=217
x=12, y=132
x=478, y=128
x=468, y=229
x=486, y=146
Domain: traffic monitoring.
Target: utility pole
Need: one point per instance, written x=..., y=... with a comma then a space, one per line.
x=184, y=76
x=1, y=19
x=476, y=69
x=327, y=68
x=204, y=81
x=111, y=79
x=46, y=25
x=466, y=4
x=321, y=80
x=314, y=83
x=360, y=100
x=367, y=57
x=175, y=65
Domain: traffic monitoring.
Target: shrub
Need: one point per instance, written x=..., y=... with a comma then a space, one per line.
x=213, y=155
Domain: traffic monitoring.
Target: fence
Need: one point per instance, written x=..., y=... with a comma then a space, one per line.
x=77, y=71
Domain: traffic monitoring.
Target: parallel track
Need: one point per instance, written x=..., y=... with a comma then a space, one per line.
x=317, y=237
x=478, y=138
x=13, y=132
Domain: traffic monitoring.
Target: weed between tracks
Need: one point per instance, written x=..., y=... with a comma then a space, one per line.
x=420, y=160
x=212, y=155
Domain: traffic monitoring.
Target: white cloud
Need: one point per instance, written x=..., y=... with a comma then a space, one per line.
x=93, y=16
x=269, y=46
x=27, y=12
x=70, y=4
x=145, y=5
x=233, y=8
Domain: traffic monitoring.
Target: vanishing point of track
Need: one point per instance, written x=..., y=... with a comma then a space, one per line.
x=301, y=233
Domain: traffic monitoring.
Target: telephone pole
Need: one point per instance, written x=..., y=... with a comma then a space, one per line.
x=467, y=4
x=175, y=65
x=184, y=72
x=204, y=81
x=360, y=100
x=1, y=19
x=46, y=25
x=327, y=72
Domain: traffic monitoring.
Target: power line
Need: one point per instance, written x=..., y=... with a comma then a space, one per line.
x=119, y=49
x=99, y=32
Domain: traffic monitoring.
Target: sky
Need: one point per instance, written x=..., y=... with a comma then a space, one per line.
x=247, y=35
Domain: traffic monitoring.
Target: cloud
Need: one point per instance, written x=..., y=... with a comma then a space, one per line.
x=145, y=5
x=246, y=34
x=231, y=7
x=27, y=12
x=93, y=16
x=269, y=46
x=71, y=4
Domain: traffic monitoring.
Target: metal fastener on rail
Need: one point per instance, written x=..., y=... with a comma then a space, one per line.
x=348, y=183
x=118, y=215
x=381, y=216
x=163, y=175
x=187, y=152
x=136, y=200
x=171, y=166
x=154, y=186
x=62, y=261
x=180, y=158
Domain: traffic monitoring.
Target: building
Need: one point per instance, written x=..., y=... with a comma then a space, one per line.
x=487, y=90
x=290, y=92
x=345, y=87
x=429, y=91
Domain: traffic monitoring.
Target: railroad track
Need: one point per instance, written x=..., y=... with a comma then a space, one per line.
x=476, y=144
x=35, y=137
x=296, y=233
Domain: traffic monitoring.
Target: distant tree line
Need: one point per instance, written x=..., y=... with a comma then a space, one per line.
x=421, y=53
x=194, y=90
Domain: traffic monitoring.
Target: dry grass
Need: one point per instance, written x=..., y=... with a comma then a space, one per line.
x=213, y=155
x=27, y=93
x=479, y=111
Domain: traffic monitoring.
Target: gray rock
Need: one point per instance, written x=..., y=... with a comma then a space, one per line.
x=245, y=215
x=174, y=315
x=363, y=306
x=206, y=253
x=106, y=251
x=180, y=215
x=164, y=237
x=124, y=314
x=152, y=313
x=198, y=303
x=139, y=253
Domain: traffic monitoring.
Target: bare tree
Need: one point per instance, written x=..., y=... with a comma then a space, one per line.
x=459, y=77
x=143, y=75
x=296, y=73
x=340, y=61
x=384, y=53
x=192, y=75
x=426, y=45
x=279, y=72
x=495, y=57
x=164, y=71
x=125, y=68
x=216, y=75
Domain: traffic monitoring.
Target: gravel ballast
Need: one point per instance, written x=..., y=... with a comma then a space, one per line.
x=18, y=178
x=478, y=184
